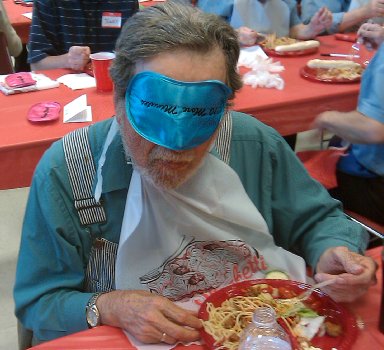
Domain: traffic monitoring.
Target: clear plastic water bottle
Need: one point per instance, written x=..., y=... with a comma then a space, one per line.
x=381, y=322
x=264, y=332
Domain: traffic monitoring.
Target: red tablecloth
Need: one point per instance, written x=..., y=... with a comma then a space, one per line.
x=293, y=109
x=289, y=111
x=367, y=308
x=18, y=21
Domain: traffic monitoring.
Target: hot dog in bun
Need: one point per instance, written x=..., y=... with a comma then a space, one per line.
x=300, y=45
x=328, y=64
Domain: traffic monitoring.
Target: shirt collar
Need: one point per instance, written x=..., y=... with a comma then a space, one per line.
x=116, y=170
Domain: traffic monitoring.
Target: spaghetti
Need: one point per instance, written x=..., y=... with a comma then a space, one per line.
x=226, y=322
x=351, y=73
x=272, y=41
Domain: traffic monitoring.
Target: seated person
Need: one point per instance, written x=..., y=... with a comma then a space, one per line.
x=347, y=14
x=360, y=174
x=177, y=196
x=250, y=17
x=14, y=43
x=64, y=33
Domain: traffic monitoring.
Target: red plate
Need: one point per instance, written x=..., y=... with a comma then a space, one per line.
x=271, y=52
x=325, y=306
x=311, y=74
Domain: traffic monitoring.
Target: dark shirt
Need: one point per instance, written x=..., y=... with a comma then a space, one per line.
x=59, y=24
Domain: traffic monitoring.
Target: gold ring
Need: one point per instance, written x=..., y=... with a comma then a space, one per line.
x=163, y=337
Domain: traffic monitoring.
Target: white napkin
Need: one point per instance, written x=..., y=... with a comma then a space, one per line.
x=28, y=15
x=42, y=83
x=264, y=71
x=77, y=81
x=77, y=111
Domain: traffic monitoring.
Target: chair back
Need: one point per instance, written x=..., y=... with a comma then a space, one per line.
x=6, y=65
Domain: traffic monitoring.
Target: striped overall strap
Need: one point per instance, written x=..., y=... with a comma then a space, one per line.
x=223, y=140
x=81, y=172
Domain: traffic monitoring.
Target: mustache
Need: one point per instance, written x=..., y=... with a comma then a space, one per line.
x=163, y=154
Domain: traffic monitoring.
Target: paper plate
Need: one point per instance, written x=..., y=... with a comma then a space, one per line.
x=44, y=112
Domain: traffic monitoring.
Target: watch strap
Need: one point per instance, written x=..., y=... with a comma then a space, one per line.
x=92, y=305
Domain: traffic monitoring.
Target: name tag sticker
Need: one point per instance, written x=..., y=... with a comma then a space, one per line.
x=111, y=20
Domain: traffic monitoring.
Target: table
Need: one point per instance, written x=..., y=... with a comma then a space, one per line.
x=18, y=21
x=105, y=337
x=23, y=143
x=289, y=111
x=293, y=109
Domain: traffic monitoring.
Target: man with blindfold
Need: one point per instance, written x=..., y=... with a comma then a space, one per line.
x=133, y=221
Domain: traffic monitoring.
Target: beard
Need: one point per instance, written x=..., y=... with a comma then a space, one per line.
x=167, y=169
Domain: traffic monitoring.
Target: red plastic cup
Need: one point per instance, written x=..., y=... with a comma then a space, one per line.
x=101, y=62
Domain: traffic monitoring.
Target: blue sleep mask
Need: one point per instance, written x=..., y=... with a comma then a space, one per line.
x=175, y=114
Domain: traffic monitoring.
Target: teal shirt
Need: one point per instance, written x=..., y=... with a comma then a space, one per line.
x=55, y=248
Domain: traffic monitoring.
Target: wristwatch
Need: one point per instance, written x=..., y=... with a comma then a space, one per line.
x=92, y=312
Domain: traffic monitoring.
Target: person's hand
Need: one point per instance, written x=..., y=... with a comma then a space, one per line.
x=78, y=57
x=247, y=36
x=321, y=21
x=371, y=35
x=325, y=121
x=353, y=273
x=375, y=8
x=148, y=317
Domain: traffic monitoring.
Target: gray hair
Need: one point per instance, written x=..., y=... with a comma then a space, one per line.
x=172, y=26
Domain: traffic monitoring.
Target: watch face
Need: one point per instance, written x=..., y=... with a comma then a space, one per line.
x=93, y=316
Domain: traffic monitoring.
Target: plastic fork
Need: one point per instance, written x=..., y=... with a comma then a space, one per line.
x=308, y=292
x=355, y=50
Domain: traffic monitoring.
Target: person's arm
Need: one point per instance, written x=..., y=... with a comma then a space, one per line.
x=49, y=282
x=365, y=125
x=148, y=316
x=76, y=59
x=321, y=233
x=54, y=252
x=319, y=23
x=46, y=49
x=352, y=126
x=375, y=8
x=338, y=8
x=300, y=213
x=13, y=40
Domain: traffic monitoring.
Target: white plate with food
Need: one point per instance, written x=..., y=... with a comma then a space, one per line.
x=317, y=321
x=332, y=71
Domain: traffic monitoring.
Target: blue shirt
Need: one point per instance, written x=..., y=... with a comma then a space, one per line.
x=59, y=24
x=250, y=13
x=337, y=7
x=49, y=293
x=369, y=159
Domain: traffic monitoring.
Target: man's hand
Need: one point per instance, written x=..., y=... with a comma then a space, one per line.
x=148, y=317
x=78, y=57
x=321, y=21
x=371, y=35
x=247, y=36
x=375, y=8
x=353, y=273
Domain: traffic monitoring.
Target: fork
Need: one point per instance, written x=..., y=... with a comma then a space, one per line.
x=355, y=50
x=308, y=292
